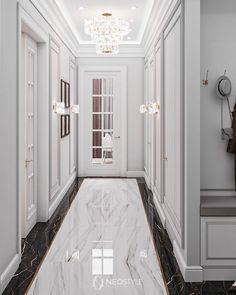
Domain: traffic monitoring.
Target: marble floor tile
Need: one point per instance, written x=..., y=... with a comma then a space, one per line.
x=104, y=246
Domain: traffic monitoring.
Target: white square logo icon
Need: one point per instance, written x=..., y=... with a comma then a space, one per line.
x=102, y=261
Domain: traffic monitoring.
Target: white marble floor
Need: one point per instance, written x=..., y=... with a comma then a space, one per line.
x=104, y=246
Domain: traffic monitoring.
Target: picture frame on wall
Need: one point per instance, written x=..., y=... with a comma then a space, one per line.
x=65, y=93
x=67, y=126
x=63, y=126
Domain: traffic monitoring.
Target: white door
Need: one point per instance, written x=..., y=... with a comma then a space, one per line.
x=29, y=101
x=101, y=105
x=173, y=121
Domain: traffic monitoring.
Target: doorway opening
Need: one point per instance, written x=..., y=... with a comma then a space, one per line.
x=103, y=121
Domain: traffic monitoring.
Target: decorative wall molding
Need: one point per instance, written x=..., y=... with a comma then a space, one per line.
x=73, y=137
x=55, y=18
x=9, y=272
x=130, y=51
x=55, y=142
x=159, y=17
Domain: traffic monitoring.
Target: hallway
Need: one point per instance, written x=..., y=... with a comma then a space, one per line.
x=118, y=147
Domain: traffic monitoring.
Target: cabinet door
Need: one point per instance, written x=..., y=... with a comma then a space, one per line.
x=172, y=122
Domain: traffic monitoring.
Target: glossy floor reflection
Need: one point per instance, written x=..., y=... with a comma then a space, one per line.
x=104, y=245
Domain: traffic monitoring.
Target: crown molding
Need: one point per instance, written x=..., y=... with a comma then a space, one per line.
x=160, y=13
x=131, y=51
x=55, y=18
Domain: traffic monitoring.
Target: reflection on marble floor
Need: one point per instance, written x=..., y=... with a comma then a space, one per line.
x=104, y=246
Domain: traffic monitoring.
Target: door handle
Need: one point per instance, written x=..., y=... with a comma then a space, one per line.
x=165, y=158
x=117, y=137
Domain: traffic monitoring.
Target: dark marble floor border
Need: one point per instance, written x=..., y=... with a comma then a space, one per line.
x=37, y=243
x=39, y=240
x=173, y=276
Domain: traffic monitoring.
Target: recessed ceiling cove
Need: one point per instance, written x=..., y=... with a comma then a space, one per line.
x=136, y=12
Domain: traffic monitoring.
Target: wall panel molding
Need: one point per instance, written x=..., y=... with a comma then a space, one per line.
x=55, y=152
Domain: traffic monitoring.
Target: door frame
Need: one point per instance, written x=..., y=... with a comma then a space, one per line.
x=26, y=24
x=28, y=225
x=83, y=69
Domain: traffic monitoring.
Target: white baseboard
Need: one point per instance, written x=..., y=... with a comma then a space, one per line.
x=190, y=273
x=159, y=209
x=135, y=174
x=219, y=274
x=8, y=273
x=61, y=195
x=218, y=193
x=147, y=180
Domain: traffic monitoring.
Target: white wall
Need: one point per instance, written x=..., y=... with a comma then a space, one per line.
x=8, y=134
x=186, y=199
x=9, y=201
x=135, y=99
x=218, y=53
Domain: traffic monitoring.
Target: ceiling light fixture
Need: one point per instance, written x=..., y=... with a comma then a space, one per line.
x=133, y=7
x=81, y=8
x=107, y=32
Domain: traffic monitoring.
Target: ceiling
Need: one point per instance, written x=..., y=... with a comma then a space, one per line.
x=76, y=11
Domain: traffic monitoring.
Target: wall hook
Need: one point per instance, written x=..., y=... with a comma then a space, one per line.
x=206, y=81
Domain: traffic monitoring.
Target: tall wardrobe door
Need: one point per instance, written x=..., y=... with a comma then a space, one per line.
x=172, y=122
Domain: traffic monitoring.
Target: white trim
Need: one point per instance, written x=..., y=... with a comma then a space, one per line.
x=131, y=51
x=159, y=208
x=190, y=273
x=135, y=174
x=218, y=193
x=9, y=272
x=219, y=274
x=124, y=123
x=147, y=180
x=50, y=11
x=61, y=195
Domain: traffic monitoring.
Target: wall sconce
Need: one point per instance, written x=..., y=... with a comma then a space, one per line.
x=151, y=108
x=143, y=109
x=59, y=108
x=75, y=109
x=154, y=108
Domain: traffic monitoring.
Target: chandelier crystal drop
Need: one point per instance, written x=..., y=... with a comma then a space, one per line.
x=107, y=32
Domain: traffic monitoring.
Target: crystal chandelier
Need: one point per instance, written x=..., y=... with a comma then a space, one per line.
x=107, y=32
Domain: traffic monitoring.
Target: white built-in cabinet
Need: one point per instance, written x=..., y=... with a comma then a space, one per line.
x=164, y=131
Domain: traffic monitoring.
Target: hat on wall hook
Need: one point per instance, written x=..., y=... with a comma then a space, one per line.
x=223, y=87
x=223, y=91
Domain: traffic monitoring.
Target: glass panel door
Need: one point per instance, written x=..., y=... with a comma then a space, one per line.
x=102, y=121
